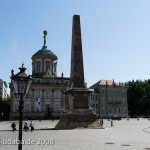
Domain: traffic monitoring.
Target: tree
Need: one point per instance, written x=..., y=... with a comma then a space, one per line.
x=5, y=107
x=138, y=97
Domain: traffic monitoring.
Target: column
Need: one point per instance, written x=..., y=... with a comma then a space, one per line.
x=32, y=100
x=43, y=101
x=53, y=100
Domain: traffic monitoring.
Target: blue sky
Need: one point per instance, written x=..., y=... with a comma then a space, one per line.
x=115, y=36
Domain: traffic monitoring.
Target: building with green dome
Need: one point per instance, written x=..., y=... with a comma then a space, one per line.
x=46, y=97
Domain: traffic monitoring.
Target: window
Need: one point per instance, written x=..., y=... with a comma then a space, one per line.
x=54, y=68
x=57, y=82
x=123, y=100
x=37, y=93
x=57, y=94
x=102, y=91
x=96, y=97
x=114, y=99
x=27, y=107
x=109, y=110
x=103, y=109
x=114, y=110
x=38, y=66
x=96, y=106
x=47, y=65
x=57, y=107
x=38, y=81
x=66, y=82
x=124, y=109
x=47, y=109
x=48, y=94
x=16, y=107
x=15, y=95
x=91, y=97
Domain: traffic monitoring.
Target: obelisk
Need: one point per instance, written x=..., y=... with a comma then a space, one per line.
x=76, y=110
x=77, y=69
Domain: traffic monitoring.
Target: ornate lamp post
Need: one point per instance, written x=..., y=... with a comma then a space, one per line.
x=21, y=83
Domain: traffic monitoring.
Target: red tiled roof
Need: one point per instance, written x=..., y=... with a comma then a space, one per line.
x=105, y=82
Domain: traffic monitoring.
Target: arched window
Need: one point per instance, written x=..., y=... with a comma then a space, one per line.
x=47, y=66
x=48, y=94
x=37, y=93
x=38, y=66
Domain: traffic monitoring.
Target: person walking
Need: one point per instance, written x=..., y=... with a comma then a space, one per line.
x=102, y=122
x=1, y=117
x=26, y=126
x=13, y=125
x=31, y=126
x=112, y=125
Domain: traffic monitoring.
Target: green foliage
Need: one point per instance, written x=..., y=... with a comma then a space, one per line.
x=5, y=107
x=7, y=100
x=146, y=116
x=138, y=97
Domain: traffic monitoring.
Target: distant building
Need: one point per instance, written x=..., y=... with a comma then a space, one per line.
x=46, y=96
x=109, y=99
x=3, y=89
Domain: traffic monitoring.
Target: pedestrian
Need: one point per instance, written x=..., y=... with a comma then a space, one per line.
x=26, y=126
x=112, y=125
x=102, y=122
x=13, y=125
x=2, y=115
x=52, y=119
x=31, y=126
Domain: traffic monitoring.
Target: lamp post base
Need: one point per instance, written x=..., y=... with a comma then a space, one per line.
x=20, y=122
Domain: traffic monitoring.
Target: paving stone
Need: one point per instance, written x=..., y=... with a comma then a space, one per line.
x=125, y=135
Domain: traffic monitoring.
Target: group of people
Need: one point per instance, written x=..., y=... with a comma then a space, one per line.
x=26, y=126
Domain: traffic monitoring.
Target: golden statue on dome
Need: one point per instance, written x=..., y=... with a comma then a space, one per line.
x=45, y=33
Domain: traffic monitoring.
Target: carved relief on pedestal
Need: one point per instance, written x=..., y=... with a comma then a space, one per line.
x=89, y=102
x=80, y=102
x=67, y=105
x=71, y=99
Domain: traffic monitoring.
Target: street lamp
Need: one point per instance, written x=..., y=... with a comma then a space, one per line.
x=21, y=83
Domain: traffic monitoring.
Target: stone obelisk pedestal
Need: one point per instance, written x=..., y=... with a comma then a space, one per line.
x=77, y=111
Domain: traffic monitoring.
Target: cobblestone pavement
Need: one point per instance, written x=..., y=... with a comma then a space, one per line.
x=125, y=135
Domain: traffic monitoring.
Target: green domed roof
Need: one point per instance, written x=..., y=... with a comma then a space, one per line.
x=45, y=51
